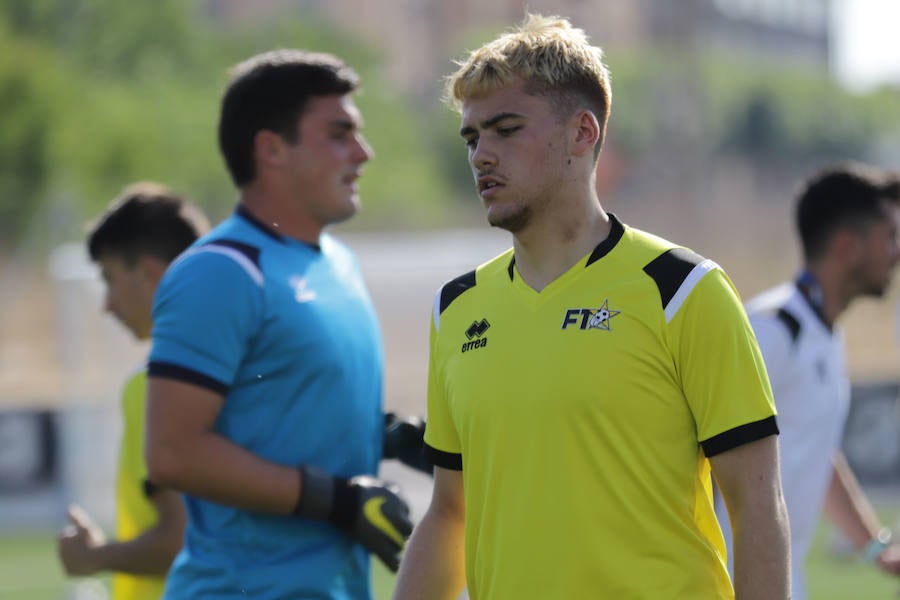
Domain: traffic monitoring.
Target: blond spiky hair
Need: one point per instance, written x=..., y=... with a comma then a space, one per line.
x=550, y=55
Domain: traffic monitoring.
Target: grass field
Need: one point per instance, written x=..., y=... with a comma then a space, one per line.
x=834, y=577
x=29, y=571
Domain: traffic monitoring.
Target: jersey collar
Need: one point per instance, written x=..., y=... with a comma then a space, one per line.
x=616, y=231
x=245, y=214
x=811, y=291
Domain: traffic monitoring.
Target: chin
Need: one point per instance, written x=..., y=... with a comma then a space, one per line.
x=512, y=222
x=344, y=212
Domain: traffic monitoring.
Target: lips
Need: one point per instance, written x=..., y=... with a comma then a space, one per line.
x=487, y=183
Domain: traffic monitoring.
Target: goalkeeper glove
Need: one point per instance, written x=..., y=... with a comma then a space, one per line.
x=404, y=440
x=367, y=509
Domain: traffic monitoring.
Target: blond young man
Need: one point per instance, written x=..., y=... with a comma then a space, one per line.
x=583, y=384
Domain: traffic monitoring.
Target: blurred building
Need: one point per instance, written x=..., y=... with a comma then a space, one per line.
x=794, y=31
x=421, y=37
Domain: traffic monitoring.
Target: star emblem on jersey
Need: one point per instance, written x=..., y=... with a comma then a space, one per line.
x=590, y=318
x=600, y=318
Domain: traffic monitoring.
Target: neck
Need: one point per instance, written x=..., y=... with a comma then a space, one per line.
x=834, y=295
x=547, y=250
x=279, y=212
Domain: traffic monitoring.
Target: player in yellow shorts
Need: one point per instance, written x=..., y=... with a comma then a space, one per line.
x=133, y=242
x=584, y=385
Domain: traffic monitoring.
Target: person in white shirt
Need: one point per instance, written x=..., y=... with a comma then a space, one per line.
x=846, y=218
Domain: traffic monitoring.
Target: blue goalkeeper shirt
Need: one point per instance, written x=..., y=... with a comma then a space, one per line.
x=287, y=334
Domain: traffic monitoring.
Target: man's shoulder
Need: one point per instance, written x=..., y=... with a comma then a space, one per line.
x=645, y=244
x=673, y=269
x=781, y=303
x=772, y=298
x=500, y=266
x=231, y=249
x=665, y=261
x=777, y=311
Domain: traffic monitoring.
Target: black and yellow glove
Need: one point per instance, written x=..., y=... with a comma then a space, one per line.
x=367, y=509
x=404, y=439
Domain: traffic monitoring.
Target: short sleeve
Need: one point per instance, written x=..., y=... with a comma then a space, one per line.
x=206, y=310
x=720, y=367
x=441, y=436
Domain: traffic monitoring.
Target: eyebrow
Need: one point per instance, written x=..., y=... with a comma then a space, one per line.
x=488, y=123
x=344, y=125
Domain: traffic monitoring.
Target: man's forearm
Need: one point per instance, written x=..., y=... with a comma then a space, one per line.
x=212, y=467
x=846, y=505
x=434, y=565
x=762, y=557
x=151, y=553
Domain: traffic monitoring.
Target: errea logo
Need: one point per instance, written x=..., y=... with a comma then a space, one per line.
x=475, y=334
x=590, y=318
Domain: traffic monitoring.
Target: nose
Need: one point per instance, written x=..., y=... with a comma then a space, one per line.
x=364, y=151
x=481, y=155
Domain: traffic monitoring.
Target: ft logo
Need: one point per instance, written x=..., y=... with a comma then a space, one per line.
x=590, y=318
x=475, y=333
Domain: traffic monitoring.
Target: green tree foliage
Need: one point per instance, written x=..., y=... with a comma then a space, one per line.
x=759, y=110
x=112, y=39
x=771, y=112
x=103, y=93
x=27, y=87
x=95, y=94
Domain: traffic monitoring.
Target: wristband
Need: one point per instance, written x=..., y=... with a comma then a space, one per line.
x=876, y=545
x=316, y=493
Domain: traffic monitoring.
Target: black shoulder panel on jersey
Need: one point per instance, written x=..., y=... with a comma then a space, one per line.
x=670, y=269
x=790, y=321
x=446, y=460
x=251, y=252
x=740, y=435
x=452, y=289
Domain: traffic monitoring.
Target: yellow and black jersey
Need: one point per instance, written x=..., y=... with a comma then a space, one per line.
x=582, y=417
x=135, y=512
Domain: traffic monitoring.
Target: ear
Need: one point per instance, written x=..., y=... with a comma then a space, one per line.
x=151, y=268
x=587, y=133
x=268, y=149
x=846, y=244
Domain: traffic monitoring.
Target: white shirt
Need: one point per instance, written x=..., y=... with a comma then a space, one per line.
x=806, y=366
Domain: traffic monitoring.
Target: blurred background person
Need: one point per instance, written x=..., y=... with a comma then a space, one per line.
x=265, y=375
x=133, y=242
x=846, y=221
